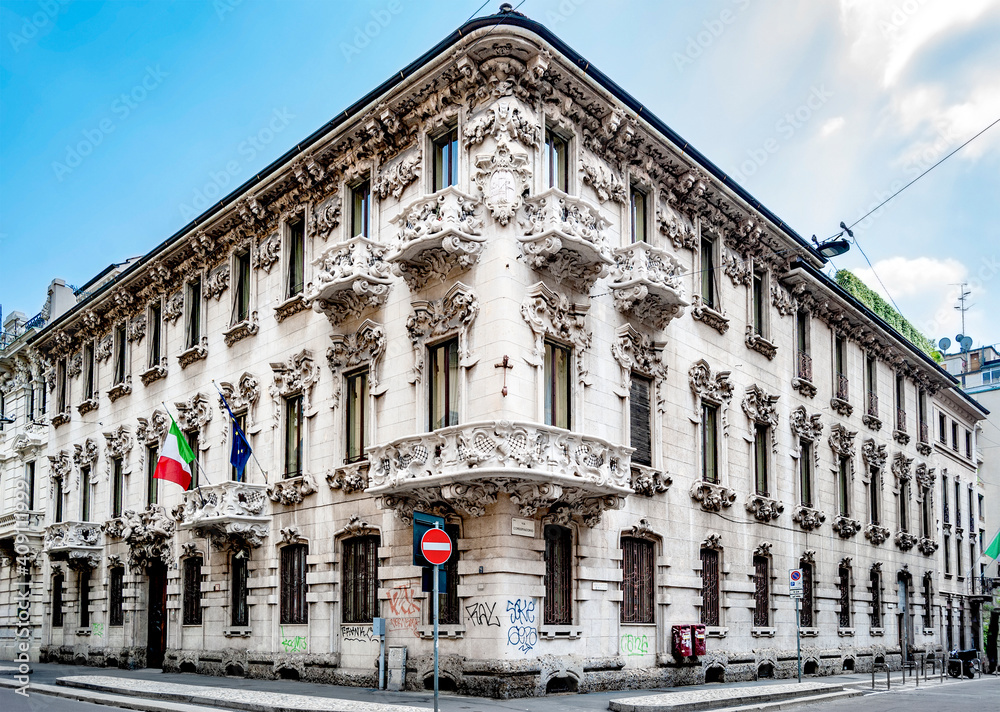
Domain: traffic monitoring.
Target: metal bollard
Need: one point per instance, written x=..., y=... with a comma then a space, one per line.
x=888, y=682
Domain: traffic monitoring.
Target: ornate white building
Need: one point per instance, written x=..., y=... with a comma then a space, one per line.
x=501, y=291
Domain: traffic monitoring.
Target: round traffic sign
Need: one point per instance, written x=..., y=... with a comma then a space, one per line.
x=796, y=574
x=435, y=545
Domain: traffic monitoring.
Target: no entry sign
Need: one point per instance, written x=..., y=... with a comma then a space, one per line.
x=435, y=545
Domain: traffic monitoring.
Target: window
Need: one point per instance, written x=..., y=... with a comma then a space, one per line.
x=85, y=488
x=30, y=413
x=708, y=272
x=239, y=611
x=637, y=580
x=361, y=198
x=805, y=370
x=85, y=598
x=57, y=601
x=709, y=443
x=710, y=587
x=120, y=353
x=922, y=415
x=875, y=581
x=448, y=602
x=958, y=503
x=558, y=575
x=360, y=579
x=556, y=161
x=193, y=321
x=192, y=440
x=904, y=506
x=116, y=596
x=808, y=599
x=874, y=495
x=900, y=403
x=117, y=487
x=241, y=421
x=968, y=444
x=637, y=214
x=928, y=602
x=152, y=490
x=293, y=436
x=760, y=440
x=443, y=383
x=761, y=592
x=446, y=159
x=844, y=589
x=89, y=374
x=640, y=420
x=356, y=414
x=293, y=584
x=954, y=437
x=946, y=512
x=925, y=512
x=241, y=295
x=844, y=486
x=60, y=498
x=155, y=329
x=946, y=545
x=805, y=472
x=3, y=410
x=192, y=590
x=758, y=299
x=871, y=385
x=942, y=429
x=959, y=571
x=557, y=385
x=62, y=387
x=296, y=256
x=29, y=481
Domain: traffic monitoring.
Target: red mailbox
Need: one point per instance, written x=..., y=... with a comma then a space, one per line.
x=682, y=640
x=698, y=637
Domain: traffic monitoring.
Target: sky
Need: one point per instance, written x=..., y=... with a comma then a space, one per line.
x=119, y=120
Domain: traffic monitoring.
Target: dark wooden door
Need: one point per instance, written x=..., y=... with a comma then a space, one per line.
x=156, y=629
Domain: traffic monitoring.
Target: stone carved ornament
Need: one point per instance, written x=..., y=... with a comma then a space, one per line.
x=679, y=229
x=86, y=456
x=637, y=352
x=173, y=310
x=875, y=455
x=268, y=252
x=505, y=122
x=608, y=184
x=217, y=283
x=61, y=471
x=901, y=468
x=925, y=477
x=326, y=218
x=195, y=414
x=365, y=346
x=549, y=313
x=805, y=426
x=135, y=330
x=296, y=375
x=432, y=319
x=241, y=397
x=503, y=179
x=760, y=406
x=782, y=299
x=118, y=446
x=393, y=179
x=706, y=385
x=842, y=440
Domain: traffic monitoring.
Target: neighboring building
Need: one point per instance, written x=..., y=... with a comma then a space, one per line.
x=500, y=291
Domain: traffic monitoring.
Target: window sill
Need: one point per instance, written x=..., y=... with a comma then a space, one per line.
x=237, y=632
x=716, y=632
x=61, y=418
x=87, y=406
x=756, y=342
x=763, y=632
x=238, y=332
x=845, y=632
x=453, y=632
x=292, y=305
x=809, y=632
x=119, y=390
x=876, y=631
x=551, y=632
x=708, y=315
x=153, y=373
x=83, y=631
x=195, y=353
x=928, y=631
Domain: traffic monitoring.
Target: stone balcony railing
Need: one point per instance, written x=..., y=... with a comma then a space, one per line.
x=437, y=234
x=565, y=236
x=27, y=523
x=467, y=466
x=351, y=277
x=78, y=543
x=233, y=512
x=647, y=283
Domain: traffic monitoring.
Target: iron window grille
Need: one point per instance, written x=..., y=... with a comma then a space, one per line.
x=637, y=580
x=239, y=610
x=844, y=590
x=192, y=591
x=876, y=612
x=558, y=575
x=808, y=602
x=360, y=579
x=116, y=597
x=761, y=592
x=293, y=584
x=448, y=602
x=710, y=587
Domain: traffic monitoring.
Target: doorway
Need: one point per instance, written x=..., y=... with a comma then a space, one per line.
x=156, y=628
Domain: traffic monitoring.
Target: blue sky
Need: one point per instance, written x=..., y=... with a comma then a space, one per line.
x=116, y=116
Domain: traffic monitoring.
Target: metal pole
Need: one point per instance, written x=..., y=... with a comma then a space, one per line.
x=798, y=637
x=437, y=603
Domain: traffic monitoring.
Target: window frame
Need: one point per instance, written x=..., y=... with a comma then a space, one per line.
x=844, y=615
x=449, y=399
x=89, y=372
x=638, y=564
x=708, y=288
x=85, y=493
x=152, y=485
x=361, y=208
x=58, y=614
x=444, y=154
x=193, y=299
x=710, y=413
x=638, y=209
x=844, y=485
x=762, y=591
x=356, y=429
x=154, y=321
x=360, y=578
x=642, y=455
x=294, y=588
x=758, y=302
x=761, y=454
x=558, y=608
x=116, y=597
x=242, y=271
x=293, y=405
x=559, y=178
x=121, y=360
x=711, y=587
x=192, y=612
x=556, y=380
x=295, y=264
x=239, y=578
x=117, y=487
x=83, y=602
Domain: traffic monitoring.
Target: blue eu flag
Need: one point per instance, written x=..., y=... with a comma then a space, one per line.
x=241, y=452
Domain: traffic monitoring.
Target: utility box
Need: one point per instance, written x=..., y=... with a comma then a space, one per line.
x=397, y=668
x=681, y=637
x=699, y=639
x=378, y=627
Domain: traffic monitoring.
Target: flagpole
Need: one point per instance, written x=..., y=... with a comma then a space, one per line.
x=233, y=418
x=196, y=461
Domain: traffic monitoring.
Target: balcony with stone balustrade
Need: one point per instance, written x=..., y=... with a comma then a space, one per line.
x=227, y=512
x=646, y=283
x=351, y=277
x=77, y=543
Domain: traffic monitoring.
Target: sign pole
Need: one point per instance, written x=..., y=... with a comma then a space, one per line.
x=798, y=637
x=437, y=603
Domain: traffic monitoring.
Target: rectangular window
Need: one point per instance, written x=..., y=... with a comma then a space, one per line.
x=875, y=581
x=904, y=506
x=968, y=444
x=293, y=436
x=762, y=592
x=922, y=415
x=954, y=436
x=29, y=481
x=241, y=421
x=760, y=448
x=637, y=214
x=356, y=414
x=808, y=600
x=844, y=589
x=443, y=384
x=152, y=453
x=640, y=420
x=959, y=571
x=805, y=370
x=192, y=440
x=874, y=495
x=60, y=498
x=155, y=328
x=942, y=429
x=89, y=371
x=871, y=384
x=928, y=602
x=241, y=296
x=446, y=159
x=3, y=411
x=360, y=579
x=637, y=580
x=844, y=486
x=448, y=602
x=85, y=488
x=557, y=386
x=120, y=353
x=85, y=598
x=958, y=503
x=193, y=304
x=946, y=545
x=708, y=272
x=116, y=597
x=556, y=161
x=192, y=590
x=62, y=387
x=759, y=300
x=805, y=472
x=900, y=403
x=239, y=610
x=558, y=575
x=710, y=587
x=361, y=198
x=709, y=443
x=57, y=601
x=925, y=513
x=840, y=357
x=293, y=584
x=117, y=487
x=30, y=413
x=296, y=256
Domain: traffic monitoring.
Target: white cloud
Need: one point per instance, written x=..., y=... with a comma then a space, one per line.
x=831, y=126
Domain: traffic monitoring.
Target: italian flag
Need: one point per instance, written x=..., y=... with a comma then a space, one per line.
x=175, y=458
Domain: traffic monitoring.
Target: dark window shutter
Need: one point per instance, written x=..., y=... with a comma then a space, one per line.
x=640, y=415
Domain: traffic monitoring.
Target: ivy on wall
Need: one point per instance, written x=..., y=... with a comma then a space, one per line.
x=871, y=299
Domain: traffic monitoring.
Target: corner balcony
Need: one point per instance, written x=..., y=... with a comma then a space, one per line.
x=465, y=467
x=77, y=543
x=227, y=513
x=565, y=236
x=438, y=234
x=351, y=277
x=646, y=283
x=21, y=524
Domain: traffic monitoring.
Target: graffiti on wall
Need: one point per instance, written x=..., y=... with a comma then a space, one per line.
x=360, y=633
x=522, y=633
x=295, y=643
x=483, y=614
x=405, y=610
x=632, y=645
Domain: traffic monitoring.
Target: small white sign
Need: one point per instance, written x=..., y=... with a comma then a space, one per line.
x=522, y=527
x=600, y=585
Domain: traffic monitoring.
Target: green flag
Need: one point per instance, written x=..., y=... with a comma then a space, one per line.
x=993, y=550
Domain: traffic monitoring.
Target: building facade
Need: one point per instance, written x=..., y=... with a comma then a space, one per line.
x=500, y=292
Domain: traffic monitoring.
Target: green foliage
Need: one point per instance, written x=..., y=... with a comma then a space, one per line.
x=871, y=299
